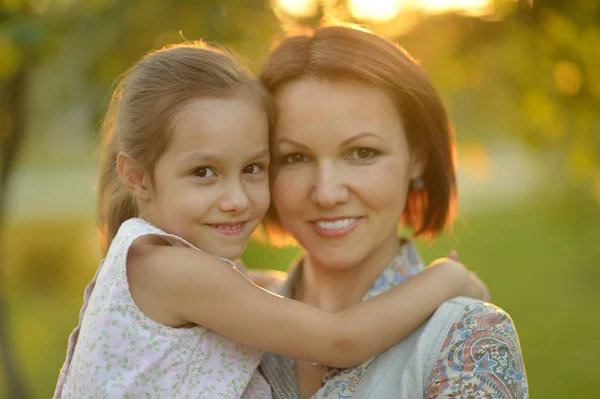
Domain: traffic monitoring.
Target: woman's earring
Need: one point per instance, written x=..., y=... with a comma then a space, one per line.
x=417, y=184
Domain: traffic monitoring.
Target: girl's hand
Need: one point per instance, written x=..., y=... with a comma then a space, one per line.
x=476, y=288
x=472, y=287
x=453, y=254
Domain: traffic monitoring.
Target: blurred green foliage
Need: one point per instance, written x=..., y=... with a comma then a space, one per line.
x=530, y=77
x=539, y=261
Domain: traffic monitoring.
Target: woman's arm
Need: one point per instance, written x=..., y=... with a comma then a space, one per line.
x=194, y=287
x=481, y=357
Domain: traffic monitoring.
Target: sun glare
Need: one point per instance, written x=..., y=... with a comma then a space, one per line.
x=468, y=6
x=375, y=10
x=382, y=11
x=298, y=8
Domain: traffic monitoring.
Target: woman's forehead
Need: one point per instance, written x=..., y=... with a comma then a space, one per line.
x=328, y=106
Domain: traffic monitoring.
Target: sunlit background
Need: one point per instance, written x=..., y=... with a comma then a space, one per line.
x=522, y=84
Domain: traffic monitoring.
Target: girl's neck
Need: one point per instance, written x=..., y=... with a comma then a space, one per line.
x=333, y=289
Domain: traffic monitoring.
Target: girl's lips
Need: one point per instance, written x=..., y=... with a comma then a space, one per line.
x=333, y=228
x=229, y=229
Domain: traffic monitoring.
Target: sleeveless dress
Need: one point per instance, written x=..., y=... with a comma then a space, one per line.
x=118, y=352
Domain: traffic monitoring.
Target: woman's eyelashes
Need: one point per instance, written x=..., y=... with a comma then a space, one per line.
x=294, y=158
x=362, y=154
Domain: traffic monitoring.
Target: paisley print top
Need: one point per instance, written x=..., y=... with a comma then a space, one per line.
x=480, y=357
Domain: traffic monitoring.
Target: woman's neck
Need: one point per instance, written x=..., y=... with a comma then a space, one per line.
x=336, y=289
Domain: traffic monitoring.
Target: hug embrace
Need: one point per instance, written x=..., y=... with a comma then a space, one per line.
x=339, y=140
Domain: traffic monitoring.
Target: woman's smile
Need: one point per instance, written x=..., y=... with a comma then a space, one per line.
x=335, y=227
x=350, y=173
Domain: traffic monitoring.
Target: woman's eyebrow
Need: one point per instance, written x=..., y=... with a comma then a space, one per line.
x=284, y=140
x=361, y=135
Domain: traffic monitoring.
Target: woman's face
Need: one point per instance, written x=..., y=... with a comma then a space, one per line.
x=343, y=167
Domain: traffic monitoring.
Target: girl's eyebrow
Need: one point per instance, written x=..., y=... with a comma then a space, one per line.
x=213, y=157
x=260, y=154
x=200, y=157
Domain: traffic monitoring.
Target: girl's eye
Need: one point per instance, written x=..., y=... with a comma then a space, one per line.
x=204, y=172
x=294, y=158
x=362, y=154
x=253, y=169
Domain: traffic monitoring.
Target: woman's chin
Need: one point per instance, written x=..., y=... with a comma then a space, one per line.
x=336, y=260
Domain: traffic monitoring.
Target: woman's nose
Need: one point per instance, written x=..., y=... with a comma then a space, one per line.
x=328, y=188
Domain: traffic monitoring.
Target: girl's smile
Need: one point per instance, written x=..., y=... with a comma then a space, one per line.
x=211, y=185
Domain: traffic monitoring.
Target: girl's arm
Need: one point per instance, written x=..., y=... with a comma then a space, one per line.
x=194, y=287
x=268, y=279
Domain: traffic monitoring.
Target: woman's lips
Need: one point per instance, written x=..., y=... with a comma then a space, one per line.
x=229, y=229
x=338, y=227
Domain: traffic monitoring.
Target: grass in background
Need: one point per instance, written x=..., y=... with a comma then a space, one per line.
x=539, y=261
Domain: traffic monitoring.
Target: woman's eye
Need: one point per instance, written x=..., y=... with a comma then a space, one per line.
x=204, y=172
x=253, y=169
x=294, y=158
x=362, y=154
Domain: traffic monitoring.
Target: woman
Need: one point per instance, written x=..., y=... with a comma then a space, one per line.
x=361, y=141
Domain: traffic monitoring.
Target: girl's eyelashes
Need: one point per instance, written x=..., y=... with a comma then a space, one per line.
x=204, y=172
x=362, y=154
x=294, y=158
x=254, y=169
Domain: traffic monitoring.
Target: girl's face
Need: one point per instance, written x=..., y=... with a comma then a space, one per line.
x=211, y=185
x=343, y=167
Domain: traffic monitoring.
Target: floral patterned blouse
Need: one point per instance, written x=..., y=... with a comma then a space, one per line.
x=119, y=352
x=480, y=357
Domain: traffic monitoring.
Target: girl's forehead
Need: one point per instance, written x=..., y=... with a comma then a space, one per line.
x=217, y=126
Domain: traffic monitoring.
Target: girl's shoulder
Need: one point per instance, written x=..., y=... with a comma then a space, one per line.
x=143, y=236
x=135, y=228
x=138, y=236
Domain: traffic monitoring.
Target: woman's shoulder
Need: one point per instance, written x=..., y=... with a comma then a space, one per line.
x=464, y=316
x=467, y=348
x=480, y=351
x=474, y=312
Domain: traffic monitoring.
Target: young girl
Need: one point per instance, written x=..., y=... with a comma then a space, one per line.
x=183, y=185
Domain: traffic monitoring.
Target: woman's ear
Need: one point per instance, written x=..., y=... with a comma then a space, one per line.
x=418, y=163
x=134, y=178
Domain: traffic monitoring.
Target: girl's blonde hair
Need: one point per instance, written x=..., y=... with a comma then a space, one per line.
x=142, y=109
